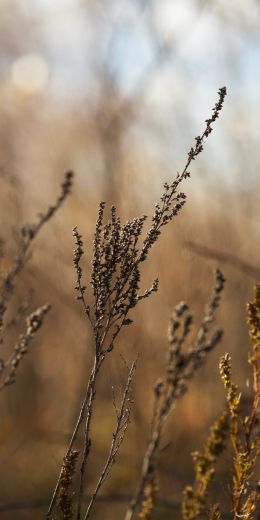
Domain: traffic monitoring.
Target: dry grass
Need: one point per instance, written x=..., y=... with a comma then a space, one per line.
x=117, y=278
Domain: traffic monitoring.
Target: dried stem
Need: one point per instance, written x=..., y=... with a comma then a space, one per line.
x=87, y=443
x=123, y=418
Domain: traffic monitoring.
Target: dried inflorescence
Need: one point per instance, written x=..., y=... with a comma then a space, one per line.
x=253, y=319
x=243, y=432
x=65, y=497
x=78, y=253
x=181, y=365
x=33, y=323
x=172, y=201
x=194, y=497
x=216, y=111
x=233, y=396
x=215, y=513
x=118, y=255
x=115, y=278
x=149, y=496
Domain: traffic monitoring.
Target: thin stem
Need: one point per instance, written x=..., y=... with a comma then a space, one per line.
x=146, y=467
x=87, y=444
x=71, y=444
x=123, y=417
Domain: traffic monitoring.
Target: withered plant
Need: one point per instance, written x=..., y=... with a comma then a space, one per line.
x=34, y=321
x=180, y=367
x=194, y=503
x=242, y=430
x=119, y=252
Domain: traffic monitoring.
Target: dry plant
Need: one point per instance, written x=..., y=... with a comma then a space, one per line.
x=243, y=432
x=180, y=368
x=194, y=497
x=65, y=496
x=119, y=252
x=244, y=435
x=115, y=291
x=34, y=321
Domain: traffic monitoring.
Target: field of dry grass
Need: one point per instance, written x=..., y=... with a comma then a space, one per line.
x=122, y=149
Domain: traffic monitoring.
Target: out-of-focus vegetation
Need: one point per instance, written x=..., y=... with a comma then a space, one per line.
x=116, y=91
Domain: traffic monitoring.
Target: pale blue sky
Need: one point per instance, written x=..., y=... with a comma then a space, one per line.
x=73, y=36
x=209, y=44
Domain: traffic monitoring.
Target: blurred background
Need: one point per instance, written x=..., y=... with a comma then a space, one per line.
x=116, y=90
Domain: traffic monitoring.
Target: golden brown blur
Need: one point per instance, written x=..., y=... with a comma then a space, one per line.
x=116, y=91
